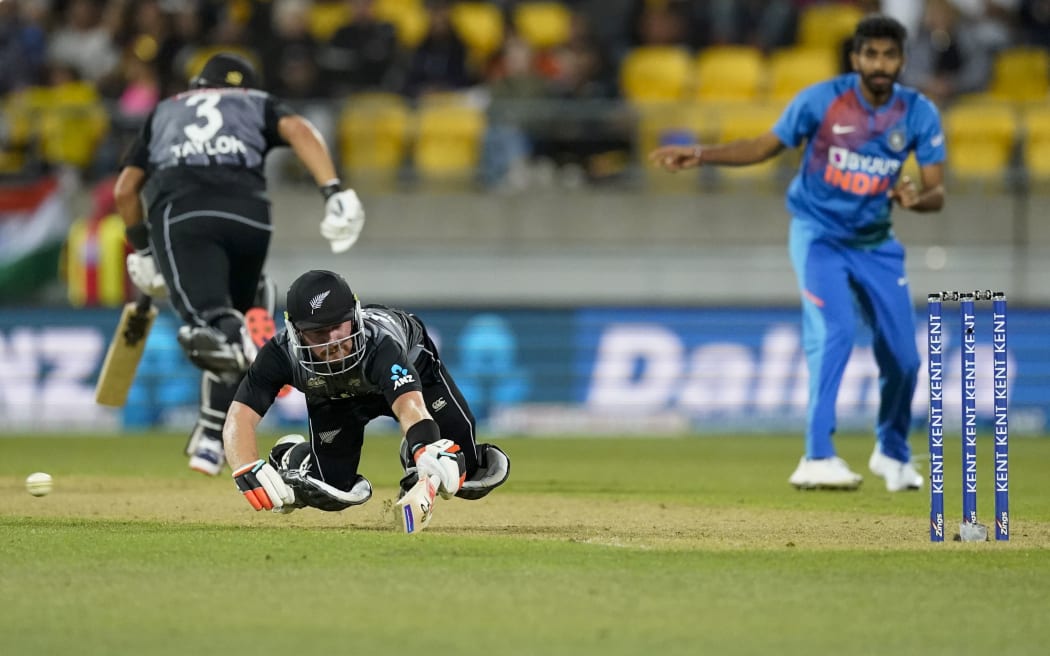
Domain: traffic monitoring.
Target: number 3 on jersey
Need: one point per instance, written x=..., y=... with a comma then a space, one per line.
x=207, y=108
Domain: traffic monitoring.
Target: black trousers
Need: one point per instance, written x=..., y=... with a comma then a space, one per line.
x=337, y=428
x=211, y=252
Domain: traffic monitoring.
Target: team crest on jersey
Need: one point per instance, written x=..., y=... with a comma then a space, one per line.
x=897, y=140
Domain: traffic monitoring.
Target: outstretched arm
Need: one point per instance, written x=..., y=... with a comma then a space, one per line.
x=238, y=435
x=433, y=455
x=930, y=198
x=309, y=147
x=741, y=152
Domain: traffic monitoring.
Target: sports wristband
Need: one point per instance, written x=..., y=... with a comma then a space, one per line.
x=331, y=187
x=138, y=236
x=421, y=433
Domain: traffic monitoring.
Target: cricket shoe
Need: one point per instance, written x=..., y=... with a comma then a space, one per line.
x=208, y=457
x=261, y=329
x=825, y=474
x=899, y=475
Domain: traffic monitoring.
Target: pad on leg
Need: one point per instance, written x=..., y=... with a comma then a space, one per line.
x=493, y=470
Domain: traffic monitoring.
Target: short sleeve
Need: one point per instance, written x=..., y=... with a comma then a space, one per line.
x=392, y=370
x=270, y=371
x=929, y=143
x=274, y=110
x=138, y=152
x=800, y=119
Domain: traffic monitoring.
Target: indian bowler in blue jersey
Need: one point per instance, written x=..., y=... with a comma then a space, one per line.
x=858, y=130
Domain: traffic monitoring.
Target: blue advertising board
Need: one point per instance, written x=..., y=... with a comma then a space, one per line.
x=538, y=371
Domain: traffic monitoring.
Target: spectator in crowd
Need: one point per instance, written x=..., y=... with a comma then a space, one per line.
x=1035, y=22
x=363, y=55
x=992, y=21
x=761, y=23
x=289, y=60
x=440, y=61
x=84, y=41
x=23, y=45
x=945, y=57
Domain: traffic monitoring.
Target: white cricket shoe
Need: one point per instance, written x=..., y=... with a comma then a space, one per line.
x=899, y=475
x=825, y=474
x=208, y=458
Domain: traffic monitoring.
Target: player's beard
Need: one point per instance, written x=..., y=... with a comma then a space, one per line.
x=880, y=83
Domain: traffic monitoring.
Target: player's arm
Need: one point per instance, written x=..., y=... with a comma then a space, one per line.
x=433, y=455
x=308, y=146
x=238, y=435
x=126, y=195
x=741, y=152
x=928, y=199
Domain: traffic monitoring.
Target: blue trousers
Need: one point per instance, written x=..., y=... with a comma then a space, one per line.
x=837, y=281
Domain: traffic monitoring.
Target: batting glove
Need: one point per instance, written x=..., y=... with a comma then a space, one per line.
x=262, y=486
x=143, y=272
x=444, y=460
x=344, y=217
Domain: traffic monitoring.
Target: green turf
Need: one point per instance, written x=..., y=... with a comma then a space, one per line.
x=632, y=546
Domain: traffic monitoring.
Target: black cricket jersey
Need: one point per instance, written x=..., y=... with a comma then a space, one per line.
x=208, y=141
x=399, y=357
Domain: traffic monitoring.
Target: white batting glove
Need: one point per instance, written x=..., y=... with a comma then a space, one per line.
x=143, y=272
x=263, y=487
x=444, y=460
x=344, y=217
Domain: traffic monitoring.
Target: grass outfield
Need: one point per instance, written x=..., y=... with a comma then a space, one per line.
x=626, y=546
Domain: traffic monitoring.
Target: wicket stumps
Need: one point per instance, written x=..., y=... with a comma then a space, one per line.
x=970, y=529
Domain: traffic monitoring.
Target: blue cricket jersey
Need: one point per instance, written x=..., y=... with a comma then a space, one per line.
x=854, y=155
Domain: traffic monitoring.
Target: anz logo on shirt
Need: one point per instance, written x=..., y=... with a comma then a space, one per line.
x=400, y=376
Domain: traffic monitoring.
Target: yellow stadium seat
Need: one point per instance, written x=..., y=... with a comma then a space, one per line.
x=793, y=69
x=656, y=74
x=480, y=25
x=729, y=73
x=1022, y=75
x=828, y=25
x=448, y=141
x=373, y=136
x=408, y=18
x=1037, y=143
x=748, y=122
x=980, y=140
x=543, y=24
x=327, y=17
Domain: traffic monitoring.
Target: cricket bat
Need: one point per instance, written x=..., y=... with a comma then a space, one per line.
x=125, y=351
x=414, y=510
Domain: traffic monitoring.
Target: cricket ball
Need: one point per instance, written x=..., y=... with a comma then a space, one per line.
x=38, y=484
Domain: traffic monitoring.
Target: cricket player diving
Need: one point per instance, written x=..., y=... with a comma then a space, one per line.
x=192, y=193
x=858, y=130
x=354, y=364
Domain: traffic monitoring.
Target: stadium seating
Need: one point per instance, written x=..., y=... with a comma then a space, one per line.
x=196, y=63
x=793, y=69
x=543, y=24
x=73, y=125
x=408, y=18
x=747, y=122
x=729, y=74
x=1021, y=74
x=480, y=25
x=656, y=74
x=827, y=25
x=1036, y=124
x=448, y=141
x=373, y=137
x=327, y=17
x=980, y=138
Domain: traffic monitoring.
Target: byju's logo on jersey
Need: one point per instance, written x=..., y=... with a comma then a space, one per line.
x=400, y=376
x=863, y=175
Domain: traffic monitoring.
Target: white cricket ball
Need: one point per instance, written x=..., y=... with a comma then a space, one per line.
x=38, y=484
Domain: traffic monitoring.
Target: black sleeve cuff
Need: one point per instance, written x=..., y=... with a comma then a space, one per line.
x=333, y=187
x=423, y=432
x=138, y=236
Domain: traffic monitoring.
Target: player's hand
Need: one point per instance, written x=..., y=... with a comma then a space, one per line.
x=143, y=272
x=262, y=486
x=444, y=460
x=344, y=217
x=905, y=193
x=676, y=158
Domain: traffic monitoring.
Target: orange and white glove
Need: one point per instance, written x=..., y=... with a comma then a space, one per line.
x=262, y=486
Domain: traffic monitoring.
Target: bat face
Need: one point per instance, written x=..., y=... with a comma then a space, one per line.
x=125, y=351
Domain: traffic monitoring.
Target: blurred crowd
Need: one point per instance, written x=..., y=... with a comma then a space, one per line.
x=317, y=53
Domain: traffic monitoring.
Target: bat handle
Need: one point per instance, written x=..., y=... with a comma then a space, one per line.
x=143, y=304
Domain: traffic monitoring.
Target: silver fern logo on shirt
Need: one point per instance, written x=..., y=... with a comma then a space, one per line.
x=317, y=301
